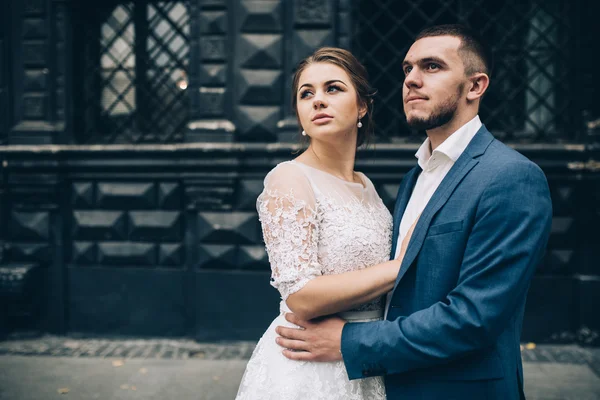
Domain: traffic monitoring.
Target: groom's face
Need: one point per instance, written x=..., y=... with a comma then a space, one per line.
x=434, y=82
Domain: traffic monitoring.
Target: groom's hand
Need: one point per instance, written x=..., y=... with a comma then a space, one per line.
x=317, y=340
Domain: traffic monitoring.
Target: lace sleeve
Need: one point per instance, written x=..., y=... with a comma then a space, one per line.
x=288, y=217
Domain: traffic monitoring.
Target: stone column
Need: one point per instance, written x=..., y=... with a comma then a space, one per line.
x=38, y=72
x=258, y=75
x=4, y=63
x=209, y=72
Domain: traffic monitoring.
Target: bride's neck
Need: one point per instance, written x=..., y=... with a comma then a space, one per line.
x=336, y=160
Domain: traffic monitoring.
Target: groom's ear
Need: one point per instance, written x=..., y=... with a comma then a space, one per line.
x=479, y=83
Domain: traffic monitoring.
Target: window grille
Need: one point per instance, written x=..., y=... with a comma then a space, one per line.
x=134, y=74
x=534, y=42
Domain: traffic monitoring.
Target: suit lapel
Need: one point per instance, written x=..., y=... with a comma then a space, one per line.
x=459, y=170
x=404, y=192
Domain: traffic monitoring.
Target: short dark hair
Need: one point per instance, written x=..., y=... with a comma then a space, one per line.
x=476, y=55
x=358, y=75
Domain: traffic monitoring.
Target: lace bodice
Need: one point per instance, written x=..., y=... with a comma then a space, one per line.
x=317, y=224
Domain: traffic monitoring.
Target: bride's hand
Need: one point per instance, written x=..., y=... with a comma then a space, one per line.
x=393, y=268
x=402, y=252
x=406, y=241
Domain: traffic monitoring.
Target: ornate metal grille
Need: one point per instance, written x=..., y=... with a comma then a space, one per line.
x=135, y=80
x=533, y=42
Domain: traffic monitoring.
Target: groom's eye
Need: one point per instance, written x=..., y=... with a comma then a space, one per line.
x=407, y=70
x=433, y=66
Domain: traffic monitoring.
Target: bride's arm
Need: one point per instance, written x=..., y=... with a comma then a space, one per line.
x=329, y=294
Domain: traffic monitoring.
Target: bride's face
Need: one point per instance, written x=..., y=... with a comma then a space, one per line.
x=327, y=103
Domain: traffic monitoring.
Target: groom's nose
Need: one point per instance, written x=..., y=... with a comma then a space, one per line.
x=413, y=78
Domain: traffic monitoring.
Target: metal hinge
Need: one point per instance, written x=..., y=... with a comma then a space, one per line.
x=590, y=165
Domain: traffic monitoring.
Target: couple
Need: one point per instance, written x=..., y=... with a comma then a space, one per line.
x=441, y=319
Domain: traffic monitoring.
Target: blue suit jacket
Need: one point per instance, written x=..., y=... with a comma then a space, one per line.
x=454, y=323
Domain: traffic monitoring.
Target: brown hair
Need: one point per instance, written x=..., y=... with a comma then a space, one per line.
x=476, y=56
x=358, y=75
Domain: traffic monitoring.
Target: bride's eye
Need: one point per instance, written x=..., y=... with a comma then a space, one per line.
x=333, y=89
x=304, y=93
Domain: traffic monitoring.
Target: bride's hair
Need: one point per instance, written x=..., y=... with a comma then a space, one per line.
x=358, y=75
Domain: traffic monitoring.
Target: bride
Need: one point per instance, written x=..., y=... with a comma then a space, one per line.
x=327, y=232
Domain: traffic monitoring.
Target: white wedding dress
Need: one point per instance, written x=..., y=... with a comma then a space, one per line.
x=315, y=224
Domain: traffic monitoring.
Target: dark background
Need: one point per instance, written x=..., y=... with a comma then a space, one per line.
x=135, y=136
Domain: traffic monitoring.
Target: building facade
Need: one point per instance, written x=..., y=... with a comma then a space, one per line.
x=135, y=135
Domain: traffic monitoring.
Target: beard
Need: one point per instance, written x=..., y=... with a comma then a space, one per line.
x=440, y=116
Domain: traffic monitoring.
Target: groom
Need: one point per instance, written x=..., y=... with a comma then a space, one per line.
x=453, y=321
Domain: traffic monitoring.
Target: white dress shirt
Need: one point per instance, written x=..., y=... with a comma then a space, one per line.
x=434, y=167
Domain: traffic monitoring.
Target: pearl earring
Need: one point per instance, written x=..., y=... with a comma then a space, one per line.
x=303, y=133
x=359, y=124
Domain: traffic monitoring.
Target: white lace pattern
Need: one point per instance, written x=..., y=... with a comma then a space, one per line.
x=314, y=224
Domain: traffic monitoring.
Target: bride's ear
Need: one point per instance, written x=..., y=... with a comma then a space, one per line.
x=362, y=110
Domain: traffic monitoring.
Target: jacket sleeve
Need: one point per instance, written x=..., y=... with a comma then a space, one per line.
x=507, y=240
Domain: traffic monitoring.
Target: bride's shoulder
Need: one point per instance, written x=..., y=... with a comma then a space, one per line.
x=286, y=171
x=289, y=179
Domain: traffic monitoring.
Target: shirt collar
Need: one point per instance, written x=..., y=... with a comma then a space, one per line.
x=452, y=147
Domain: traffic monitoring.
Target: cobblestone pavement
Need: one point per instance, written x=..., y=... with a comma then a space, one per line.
x=38, y=368
x=126, y=348
x=60, y=346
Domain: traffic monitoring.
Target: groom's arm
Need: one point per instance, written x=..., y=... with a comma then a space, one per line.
x=506, y=243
